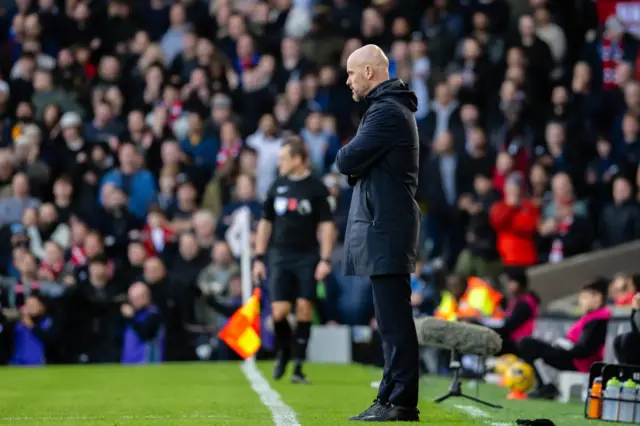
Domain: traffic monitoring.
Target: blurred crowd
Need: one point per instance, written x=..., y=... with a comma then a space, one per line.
x=132, y=132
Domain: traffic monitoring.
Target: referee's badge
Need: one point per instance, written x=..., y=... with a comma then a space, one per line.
x=280, y=205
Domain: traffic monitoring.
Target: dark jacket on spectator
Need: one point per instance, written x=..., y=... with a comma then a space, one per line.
x=382, y=162
x=620, y=223
x=436, y=198
x=577, y=239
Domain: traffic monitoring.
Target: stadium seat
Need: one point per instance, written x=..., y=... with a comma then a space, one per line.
x=616, y=327
x=569, y=380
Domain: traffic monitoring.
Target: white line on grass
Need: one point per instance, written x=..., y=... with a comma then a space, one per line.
x=478, y=413
x=282, y=414
x=472, y=411
x=132, y=417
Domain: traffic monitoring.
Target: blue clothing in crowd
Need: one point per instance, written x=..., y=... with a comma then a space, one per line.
x=140, y=187
x=204, y=153
x=144, y=337
x=29, y=343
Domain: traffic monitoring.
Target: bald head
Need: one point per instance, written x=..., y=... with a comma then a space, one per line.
x=139, y=295
x=367, y=67
x=369, y=55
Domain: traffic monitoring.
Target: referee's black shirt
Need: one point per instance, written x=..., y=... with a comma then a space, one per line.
x=295, y=208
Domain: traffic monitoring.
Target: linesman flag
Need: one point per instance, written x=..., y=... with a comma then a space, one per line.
x=242, y=332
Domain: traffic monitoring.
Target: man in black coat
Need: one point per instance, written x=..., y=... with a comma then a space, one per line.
x=381, y=241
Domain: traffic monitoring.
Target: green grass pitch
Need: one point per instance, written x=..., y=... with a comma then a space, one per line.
x=219, y=394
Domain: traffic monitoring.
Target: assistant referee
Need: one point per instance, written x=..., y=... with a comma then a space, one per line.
x=296, y=214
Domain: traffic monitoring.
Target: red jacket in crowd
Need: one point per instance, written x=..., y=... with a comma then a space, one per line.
x=516, y=227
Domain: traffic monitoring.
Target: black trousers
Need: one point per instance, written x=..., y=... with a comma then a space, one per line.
x=394, y=315
x=627, y=348
x=531, y=349
x=508, y=345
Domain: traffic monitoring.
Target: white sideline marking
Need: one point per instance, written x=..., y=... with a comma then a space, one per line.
x=472, y=411
x=479, y=413
x=282, y=414
x=132, y=417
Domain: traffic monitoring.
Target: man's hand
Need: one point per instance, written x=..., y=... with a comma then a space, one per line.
x=259, y=271
x=322, y=270
x=464, y=202
x=474, y=208
x=27, y=321
x=548, y=227
x=635, y=302
x=69, y=280
x=416, y=299
x=126, y=310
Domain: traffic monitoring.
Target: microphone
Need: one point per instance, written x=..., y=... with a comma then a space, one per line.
x=464, y=338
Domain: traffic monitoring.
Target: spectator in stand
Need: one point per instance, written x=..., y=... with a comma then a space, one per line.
x=563, y=194
x=565, y=235
x=199, y=146
x=13, y=207
x=627, y=345
x=95, y=305
x=136, y=182
x=480, y=257
x=620, y=221
x=447, y=181
x=599, y=176
x=622, y=289
x=143, y=330
x=35, y=334
x=515, y=220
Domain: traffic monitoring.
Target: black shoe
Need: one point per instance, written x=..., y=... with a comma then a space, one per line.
x=373, y=409
x=298, y=377
x=393, y=413
x=537, y=422
x=281, y=365
x=544, y=392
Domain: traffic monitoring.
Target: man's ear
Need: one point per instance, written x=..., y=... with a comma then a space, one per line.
x=368, y=71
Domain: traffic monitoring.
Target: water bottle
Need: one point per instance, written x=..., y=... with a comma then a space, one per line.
x=611, y=402
x=595, y=403
x=628, y=393
x=637, y=415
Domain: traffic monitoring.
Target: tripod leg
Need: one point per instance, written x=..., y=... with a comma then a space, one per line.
x=442, y=398
x=479, y=401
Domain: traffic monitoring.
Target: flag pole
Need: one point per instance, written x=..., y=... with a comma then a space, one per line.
x=244, y=218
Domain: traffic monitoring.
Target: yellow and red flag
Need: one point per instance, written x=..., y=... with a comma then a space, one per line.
x=242, y=332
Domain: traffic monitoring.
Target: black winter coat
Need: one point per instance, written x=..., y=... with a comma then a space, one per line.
x=382, y=163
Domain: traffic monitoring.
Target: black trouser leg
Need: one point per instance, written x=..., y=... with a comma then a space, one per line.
x=300, y=342
x=394, y=315
x=531, y=349
x=282, y=331
x=508, y=345
x=627, y=348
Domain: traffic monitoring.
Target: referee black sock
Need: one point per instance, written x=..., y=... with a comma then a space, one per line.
x=282, y=331
x=300, y=342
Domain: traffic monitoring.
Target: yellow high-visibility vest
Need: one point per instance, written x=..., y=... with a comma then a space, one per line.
x=479, y=297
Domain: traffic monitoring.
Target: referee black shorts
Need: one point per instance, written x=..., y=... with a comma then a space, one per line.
x=292, y=276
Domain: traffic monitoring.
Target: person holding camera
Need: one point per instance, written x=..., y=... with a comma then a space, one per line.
x=33, y=332
x=144, y=335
